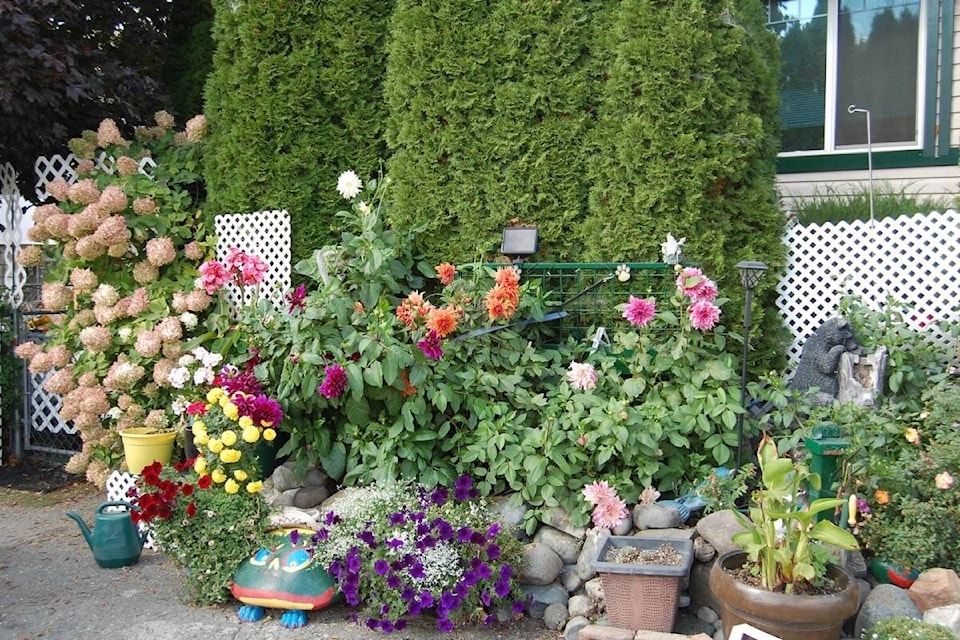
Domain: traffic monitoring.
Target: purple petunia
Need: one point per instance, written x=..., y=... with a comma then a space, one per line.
x=444, y=625
x=430, y=346
x=493, y=551
x=381, y=566
x=334, y=381
x=393, y=581
x=439, y=496
x=461, y=488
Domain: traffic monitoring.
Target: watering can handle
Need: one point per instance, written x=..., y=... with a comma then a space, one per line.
x=117, y=503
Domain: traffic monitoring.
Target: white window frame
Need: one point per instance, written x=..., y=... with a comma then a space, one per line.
x=830, y=93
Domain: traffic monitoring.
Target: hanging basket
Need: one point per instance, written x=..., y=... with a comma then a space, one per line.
x=142, y=446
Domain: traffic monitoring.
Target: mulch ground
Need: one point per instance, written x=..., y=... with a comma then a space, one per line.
x=36, y=475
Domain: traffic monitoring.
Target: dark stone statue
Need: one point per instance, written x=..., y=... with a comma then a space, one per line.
x=820, y=359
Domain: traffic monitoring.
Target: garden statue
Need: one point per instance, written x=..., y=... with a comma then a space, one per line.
x=820, y=359
x=283, y=575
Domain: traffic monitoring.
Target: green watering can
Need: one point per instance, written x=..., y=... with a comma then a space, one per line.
x=114, y=541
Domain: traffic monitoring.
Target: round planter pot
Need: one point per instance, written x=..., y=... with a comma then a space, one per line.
x=790, y=617
x=143, y=446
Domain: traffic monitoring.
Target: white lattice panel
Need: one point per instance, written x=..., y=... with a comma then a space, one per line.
x=914, y=259
x=119, y=486
x=50, y=168
x=11, y=218
x=265, y=234
x=45, y=408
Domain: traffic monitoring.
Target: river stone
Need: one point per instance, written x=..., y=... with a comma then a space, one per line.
x=718, y=528
x=284, y=478
x=885, y=601
x=308, y=497
x=315, y=478
x=565, y=545
x=555, y=616
x=594, y=589
x=510, y=516
x=574, y=625
x=569, y=578
x=541, y=565
x=655, y=516
x=703, y=551
x=593, y=542
x=947, y=616
x=558, y=518
x=935, y=588
x=623, y=527
x=286, y=498
x=543, y=596
x=581, y=605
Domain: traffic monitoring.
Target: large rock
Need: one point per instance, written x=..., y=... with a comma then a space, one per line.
x=559, y=519
x=284, y=479
x=574, y=625
x=936, y=588
x=593, y=542
x=555, y=616
x=581, y=605
x=507, y=513
x=655, y=516
x=885, y=601
x=947, y=616
x=718, y=528
x=541, y=565
x=308, y=497
x=565, y=545
x=543, y=596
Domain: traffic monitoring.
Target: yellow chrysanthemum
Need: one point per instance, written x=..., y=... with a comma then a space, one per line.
x=231, y=486
x=240, y=475
x=245, y=421
x=251, y=434
x=214, y=395
x=254, y=487
x=218, y=476
x=200, y=465
x=229, y=456
x=215, y=445
x=228, y=437
x=201, y=439
x=198, y=426
x=269, y=435
x=231, y=411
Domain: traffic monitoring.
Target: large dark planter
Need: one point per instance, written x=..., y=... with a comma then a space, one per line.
x=790, y=617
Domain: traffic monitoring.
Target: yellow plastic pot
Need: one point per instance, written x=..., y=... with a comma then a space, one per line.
x=142, y=446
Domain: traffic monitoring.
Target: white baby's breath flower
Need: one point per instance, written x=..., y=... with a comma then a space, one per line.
x=349, y=185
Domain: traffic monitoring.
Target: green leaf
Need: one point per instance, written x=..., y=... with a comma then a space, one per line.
x=357, y=410
x=335, y=462
x=373, y=374
x=355, y=379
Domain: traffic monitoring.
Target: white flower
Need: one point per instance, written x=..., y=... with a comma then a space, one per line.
x=363, y=206
x=186, y=360
x=178, y=377
x=203, y=375
x=671, y=249
x=179, y=406
x=189, y=320
x=349, y=185
x=125, y=333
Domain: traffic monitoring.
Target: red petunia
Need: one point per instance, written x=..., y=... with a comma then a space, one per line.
x=204, y=482
x=191, y=509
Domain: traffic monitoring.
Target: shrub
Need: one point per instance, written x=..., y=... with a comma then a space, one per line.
x=904, y=628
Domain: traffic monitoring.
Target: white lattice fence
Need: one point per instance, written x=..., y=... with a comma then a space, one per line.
x=913, y=259
x=267, y=235
x=50, y=168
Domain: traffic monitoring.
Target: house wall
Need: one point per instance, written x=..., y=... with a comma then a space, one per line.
x=939, y=183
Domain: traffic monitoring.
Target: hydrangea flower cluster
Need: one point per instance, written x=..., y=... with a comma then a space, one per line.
x=402, y=551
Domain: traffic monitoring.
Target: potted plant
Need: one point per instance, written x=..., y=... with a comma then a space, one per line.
x=782, y=581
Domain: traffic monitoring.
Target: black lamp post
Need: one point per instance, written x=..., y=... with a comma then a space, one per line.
x=750, y=274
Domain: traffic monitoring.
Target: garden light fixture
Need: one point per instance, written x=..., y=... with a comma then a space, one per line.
x=750, y=274
x=519, y=242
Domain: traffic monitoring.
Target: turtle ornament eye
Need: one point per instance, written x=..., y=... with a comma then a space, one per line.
x=260, y=557
x=296, y=560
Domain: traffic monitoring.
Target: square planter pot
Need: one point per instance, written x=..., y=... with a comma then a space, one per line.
x=642, y=596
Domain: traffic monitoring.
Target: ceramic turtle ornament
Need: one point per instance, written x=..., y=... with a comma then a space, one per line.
x=283, y=575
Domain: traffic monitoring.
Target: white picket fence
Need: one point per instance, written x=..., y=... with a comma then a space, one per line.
x=913, y=259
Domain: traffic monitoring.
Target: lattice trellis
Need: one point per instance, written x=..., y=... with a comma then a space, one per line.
x=267, y=235
x=119, y=485
x=49, y=168
x=45, y=408
x=14, y=275
x=913, y=259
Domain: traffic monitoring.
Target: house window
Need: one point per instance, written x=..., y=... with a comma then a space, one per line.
x=837, y=53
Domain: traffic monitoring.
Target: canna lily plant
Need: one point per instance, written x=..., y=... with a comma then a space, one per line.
x=782, y=535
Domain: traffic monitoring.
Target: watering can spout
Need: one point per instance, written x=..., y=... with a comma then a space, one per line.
x=84, y=529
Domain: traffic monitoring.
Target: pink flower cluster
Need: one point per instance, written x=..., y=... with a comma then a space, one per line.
x=701, y=291
x=608, y=508
x=243, y=269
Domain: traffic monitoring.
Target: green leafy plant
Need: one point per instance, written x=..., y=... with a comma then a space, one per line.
x=904, y=628
x=888, y=201
x=788, y=558
x=207, y=531
x=912, y=511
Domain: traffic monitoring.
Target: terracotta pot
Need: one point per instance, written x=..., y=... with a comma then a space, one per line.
x=790, y=617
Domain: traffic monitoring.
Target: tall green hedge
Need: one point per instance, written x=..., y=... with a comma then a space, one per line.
x=687, y=138
x=294, y=99
x=490, y=105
